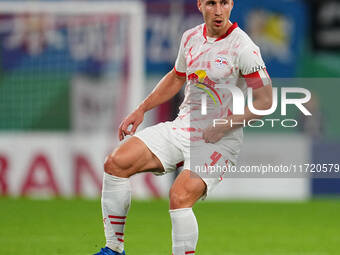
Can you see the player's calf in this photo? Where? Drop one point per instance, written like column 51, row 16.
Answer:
column 186, row 190
column 116, row 165
column 180, row 199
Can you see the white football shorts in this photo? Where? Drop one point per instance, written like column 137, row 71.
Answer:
column 172, row 146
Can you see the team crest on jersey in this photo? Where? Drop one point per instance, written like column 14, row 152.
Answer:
column 221, row 62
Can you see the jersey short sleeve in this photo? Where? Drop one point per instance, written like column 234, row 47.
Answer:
column 251, row 60
column 252, row 67
column 180, row 64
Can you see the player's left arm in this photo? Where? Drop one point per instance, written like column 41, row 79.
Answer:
column 262, row 100
column 254, row 73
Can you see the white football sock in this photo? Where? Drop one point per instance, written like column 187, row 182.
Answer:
column 184, row 231
column 116, row 200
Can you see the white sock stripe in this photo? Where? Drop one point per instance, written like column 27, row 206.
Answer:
column 185, row 237
column 113, row 178
column 180, row 210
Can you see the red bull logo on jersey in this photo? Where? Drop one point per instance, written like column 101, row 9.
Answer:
column 203, row 83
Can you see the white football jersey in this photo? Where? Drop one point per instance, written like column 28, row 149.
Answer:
column 209, row 64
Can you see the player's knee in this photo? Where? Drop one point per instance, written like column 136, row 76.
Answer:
column 179, row 199
column 115, row 165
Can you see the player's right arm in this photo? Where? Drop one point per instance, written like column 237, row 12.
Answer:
column 167, row 88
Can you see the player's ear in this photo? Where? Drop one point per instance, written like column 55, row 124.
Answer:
column 199, row 5
column 232, row 4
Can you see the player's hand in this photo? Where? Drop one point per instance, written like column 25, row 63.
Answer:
column 213, row 134
column 135, row 118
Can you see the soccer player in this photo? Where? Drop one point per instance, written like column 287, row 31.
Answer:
column 212, row 55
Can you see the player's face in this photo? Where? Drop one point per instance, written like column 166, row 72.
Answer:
column 216, row 14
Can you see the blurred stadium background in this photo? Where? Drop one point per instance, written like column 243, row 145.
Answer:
column 70, row 71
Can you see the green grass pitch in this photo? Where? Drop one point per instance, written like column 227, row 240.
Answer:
column 38, row 227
